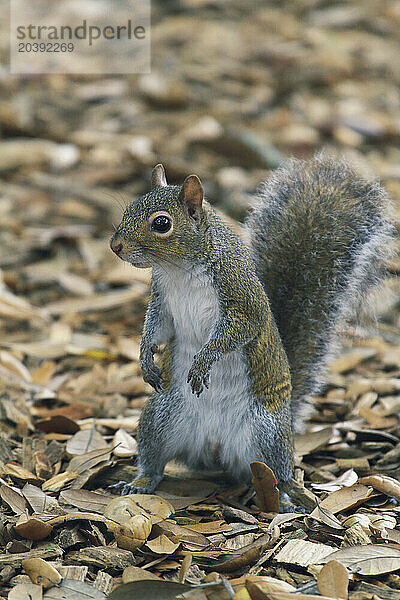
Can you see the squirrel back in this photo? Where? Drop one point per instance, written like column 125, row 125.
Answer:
column 319, row 235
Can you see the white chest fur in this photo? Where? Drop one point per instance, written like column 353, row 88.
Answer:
column 216, row 419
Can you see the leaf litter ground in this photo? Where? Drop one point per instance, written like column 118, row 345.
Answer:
column 71, row 391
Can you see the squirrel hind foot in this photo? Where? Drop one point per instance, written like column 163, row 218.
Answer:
column 140, row 485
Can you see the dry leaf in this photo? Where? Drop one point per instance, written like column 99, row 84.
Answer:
column 41, row 572
column 383, row 483
column 265, row 485
column 85, row 441
column 352, row 359
column 37, row 499
column 149, row 590
column 347, row 479
column 86, row 500
column 19, row 473
column 162, row 545
column 9, row 361
column 121, row 509
column 344, row 498
column 14, row 499
column 312, row 441
column 26, row 591
column 184, row 568
column 56, row 483
column 134, row 533
column 44, row 373
column 133, row 573
column 209, row 528
column 32, row 528
column 303, row 553
column 368, row 560
column 265, row 583
column 124, row 444
column 333, row 580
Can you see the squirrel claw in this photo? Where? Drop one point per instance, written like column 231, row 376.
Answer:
column 141, row 485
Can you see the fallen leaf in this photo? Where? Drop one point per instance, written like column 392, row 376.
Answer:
column 133, row 573
column 368, row 560
column 265, row 485
column 209, row 527
column 56, row 483
column 71, row 589
column 312, row 441
column 346, row 497
column 41, row 572
column 26, row 591
column 149, row 590
column 86, row 500
column 303, row 553
column 134, row 533
column 162, row 545
column 121, row 509
column 17, row 472
column 58, row 424
column 38, row 500
column 32, row 528
column 333, row 580
column 124, row 444
column 184, row 568
column 347, row 479
column 14, row 499
column 85, row 441
column 383, row 483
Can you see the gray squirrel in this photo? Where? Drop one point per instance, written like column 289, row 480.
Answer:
column 246, row 329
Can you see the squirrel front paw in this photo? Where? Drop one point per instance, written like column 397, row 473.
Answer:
column 150, row 371
column 199, row 375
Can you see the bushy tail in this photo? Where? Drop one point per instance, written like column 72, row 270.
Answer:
column 319, row 235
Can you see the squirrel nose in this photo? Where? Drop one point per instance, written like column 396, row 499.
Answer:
column 116, row 244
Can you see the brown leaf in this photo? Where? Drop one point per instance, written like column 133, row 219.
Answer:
column 209, row 527
column 58, row 424
column 14, row 499
column 162, row 545
column 26, row 591
column 41, row 572
column 134, row 533
column 56, row 483
column 312, row 441
column 265, row 485
column 124, row 444
column 86, row 500
column 184, row 568
column 347, row 497
column 383, row 483
column 85, row 441
column 137, row 574
column 368, row 560
column 303, row 553
column 32, row 528
column 121, row 509
column 37, row 499
column 333, row 580
column 20, row 474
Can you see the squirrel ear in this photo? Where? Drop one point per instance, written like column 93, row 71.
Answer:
column 158, row 178
column 191, row 195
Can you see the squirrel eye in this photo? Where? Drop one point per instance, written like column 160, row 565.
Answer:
column 161, row 224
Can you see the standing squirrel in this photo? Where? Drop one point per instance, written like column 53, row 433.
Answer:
column 247, row 330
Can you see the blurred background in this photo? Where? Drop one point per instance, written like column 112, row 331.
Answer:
column 234, row 88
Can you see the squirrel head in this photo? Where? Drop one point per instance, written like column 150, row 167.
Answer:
column 164, row 225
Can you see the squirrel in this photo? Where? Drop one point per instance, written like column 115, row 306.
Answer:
column 247, row 329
